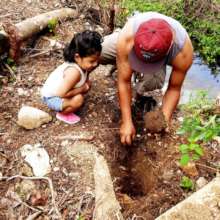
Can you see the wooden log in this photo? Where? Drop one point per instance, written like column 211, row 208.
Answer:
column 14, row 35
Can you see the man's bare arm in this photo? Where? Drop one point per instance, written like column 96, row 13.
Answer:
column 124, row 45
column 181, row 64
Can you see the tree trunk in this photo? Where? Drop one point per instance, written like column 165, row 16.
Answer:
column 13, row 35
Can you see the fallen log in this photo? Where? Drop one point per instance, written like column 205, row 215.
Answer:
column 13, row 35
column 107, row 207
column 86, row 156
column 203, row 204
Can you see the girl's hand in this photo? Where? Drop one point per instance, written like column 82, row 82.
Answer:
column 86, row 86
column 89, row 83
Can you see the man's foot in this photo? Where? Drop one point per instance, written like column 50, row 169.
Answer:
column 69, row 118
column 145, row 103
column 142, row 105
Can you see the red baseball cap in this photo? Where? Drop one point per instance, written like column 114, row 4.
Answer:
column 152, row 42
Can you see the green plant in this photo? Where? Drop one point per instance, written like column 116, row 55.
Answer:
column 186, row 183
column 130, row 6
column 52, row 25
column 190, row 151
column 198, row 103
column 80, row 217
column 199, row 128
column 200, row 20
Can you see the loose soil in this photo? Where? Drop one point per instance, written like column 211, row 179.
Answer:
column 146, row 175
column 155, row 121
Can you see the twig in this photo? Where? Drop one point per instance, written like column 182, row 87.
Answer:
column 10, row 70
column 33, row 216
column 65, row 196
column 3, row 155
column 42, row 53
column 38, row 178
column 136, row 217
column 81, row 202
column 76, row 138
column 208, row 167
column 28, row 206
column 6, row 15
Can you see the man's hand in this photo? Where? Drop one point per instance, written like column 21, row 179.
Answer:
column 127, row 133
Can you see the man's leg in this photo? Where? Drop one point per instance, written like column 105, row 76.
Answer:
column 150, row 82
column 146, row 83
column 108, row 55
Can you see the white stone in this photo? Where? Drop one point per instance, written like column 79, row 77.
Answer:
column 74, row 174
column 55, row 169
column 217, row 138
column 200, row 183
column 100, row 29
column 64, row 143
column 37, row 157
column 22, row 92
column 180, row 119
column 30, row 118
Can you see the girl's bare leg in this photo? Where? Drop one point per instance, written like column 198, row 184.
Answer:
column 72, row 104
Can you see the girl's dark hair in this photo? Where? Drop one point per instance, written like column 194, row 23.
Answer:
column 85, row 44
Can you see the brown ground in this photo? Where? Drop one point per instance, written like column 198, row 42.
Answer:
column 146, row 175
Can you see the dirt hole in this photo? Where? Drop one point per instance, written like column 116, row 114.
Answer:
column 137, row 176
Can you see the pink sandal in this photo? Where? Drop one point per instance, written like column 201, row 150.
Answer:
column 69, row 118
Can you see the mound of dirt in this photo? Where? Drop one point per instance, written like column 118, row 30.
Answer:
column 155, row 121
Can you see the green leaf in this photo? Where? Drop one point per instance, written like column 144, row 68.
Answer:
column 186, row 183
column 199, row 150
column 181, row 131
column 14, row 68
column 192, row 146
column 195, row 157
column 184, row 159
column 10, row 61
column 184, row 148
column 52, row 24
column 80, row 218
